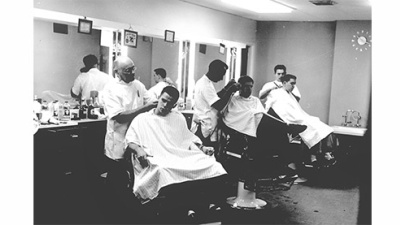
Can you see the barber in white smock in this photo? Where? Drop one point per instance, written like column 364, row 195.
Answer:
column 208, row 103
column 90, row 79
column 124, row 99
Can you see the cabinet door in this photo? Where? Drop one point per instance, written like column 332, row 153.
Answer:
column 93, row 146
column 58, row 174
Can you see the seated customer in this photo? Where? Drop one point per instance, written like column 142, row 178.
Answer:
column 265, row 135
column 285, row 105
column 166, row 152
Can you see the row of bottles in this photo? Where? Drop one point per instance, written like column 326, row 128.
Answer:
column 86, row 109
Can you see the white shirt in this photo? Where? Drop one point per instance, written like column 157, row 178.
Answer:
column 118, row 97
column 204, row 96
column 276, row 83
column 93, row 80
column 155, row 91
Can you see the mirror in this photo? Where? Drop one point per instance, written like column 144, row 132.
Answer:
column 58, row 56
column 205, row 54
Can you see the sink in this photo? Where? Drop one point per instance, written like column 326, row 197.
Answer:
column 355, row 131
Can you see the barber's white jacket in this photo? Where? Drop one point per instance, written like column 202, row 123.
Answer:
column 204, row 96
column 93, row 80
column 118, row 97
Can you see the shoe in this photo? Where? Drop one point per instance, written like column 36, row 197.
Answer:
column 215, row 213
column 191, row 214
column 213, row 207
column 294, row 140
column 300, row 180
column 295, row 129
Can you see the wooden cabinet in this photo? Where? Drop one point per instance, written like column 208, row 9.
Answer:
column 65, row 159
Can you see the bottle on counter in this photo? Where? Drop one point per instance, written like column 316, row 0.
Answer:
column 60, row 111
column 66, row 111
column 46, row 112
column 74, row 112
column 83, row 109
column 56, row 105
column 91, row 111
column 37, row 107
column 96, row 105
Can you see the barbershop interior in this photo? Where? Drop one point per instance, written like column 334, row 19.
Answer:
column 325, row 48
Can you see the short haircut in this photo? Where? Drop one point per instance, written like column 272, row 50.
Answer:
column 217, row 65
column 171, row 91
column 161, row 72
column 280, row 67
column 287, row 77
column 90, row 60
column 244, row 79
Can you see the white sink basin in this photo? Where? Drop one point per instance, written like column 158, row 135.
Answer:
column 355, row 131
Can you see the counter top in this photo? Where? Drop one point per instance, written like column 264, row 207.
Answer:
column 354, row 131
column 70, row 123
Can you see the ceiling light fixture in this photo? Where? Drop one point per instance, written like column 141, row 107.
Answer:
column 261, row 6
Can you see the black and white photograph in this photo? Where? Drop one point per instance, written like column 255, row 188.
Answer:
column 205, row 112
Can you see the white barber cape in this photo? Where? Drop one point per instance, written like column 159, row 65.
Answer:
column 244, row 114
column 167, row 139
column 290, row 111
column 277, row 83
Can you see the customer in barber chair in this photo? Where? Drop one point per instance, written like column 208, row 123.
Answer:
column 169, row 159
column 318, row 136
column 265, row 135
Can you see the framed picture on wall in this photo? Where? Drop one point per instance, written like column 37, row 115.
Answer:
column 222, row 49
column 85, row 26
column 169, row 36
column 130, row 38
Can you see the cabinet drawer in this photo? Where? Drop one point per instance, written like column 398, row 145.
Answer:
column 58, row 151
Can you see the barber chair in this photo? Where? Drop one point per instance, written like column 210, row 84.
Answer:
column 256, row 171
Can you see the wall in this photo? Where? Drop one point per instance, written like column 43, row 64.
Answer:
column 141, row 56
column 306, row 49
column 159, row 15
column 351, row 78
column 59, row 56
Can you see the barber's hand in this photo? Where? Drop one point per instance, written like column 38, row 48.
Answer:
column 152, row 104
column 234, row 87
column 230, row 83
column 208, row 150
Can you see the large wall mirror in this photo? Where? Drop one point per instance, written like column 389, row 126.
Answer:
column 59, row 49
column 58, row 56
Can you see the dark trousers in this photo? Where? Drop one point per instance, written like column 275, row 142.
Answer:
column 196, row 194
column 272, row 136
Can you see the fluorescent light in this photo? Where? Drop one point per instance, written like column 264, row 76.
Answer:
column 260, row 6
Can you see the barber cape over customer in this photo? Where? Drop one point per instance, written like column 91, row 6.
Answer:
column 166, row 151
column 90, row 79
column 124, row 99
column 208, row 103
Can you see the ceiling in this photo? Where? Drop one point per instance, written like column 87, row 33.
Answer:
column 304, row 10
